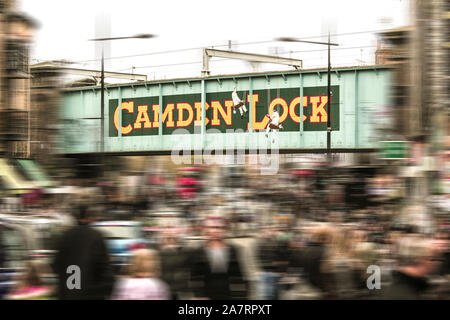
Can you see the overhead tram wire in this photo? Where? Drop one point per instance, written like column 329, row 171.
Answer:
column 224, row 59
column 219, row 45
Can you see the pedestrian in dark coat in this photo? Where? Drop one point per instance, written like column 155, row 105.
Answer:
column 216, row 271
column 174, row 258
column 83, row 247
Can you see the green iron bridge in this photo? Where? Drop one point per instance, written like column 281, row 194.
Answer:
column 157, row 117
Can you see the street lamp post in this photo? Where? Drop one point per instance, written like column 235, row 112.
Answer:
column 329, row 44
column 329, row 103
column 102, row 100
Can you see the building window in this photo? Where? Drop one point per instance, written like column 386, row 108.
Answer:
column 17, row 58
column 17, row 125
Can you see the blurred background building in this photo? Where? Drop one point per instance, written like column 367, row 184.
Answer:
column 44, row 124
column 419, row 56
column 16, row 30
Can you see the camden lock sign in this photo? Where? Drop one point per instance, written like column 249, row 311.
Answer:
column 140, row 116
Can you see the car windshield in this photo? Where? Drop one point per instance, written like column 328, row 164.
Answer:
column 118, row 231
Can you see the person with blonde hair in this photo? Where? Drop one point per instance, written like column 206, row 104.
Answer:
column 142, row 282
column 311, row 258
column 339, row 264
column 31, row 284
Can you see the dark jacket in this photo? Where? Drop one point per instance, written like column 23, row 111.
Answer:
column 173, row 267
column 445, row 266
column 310, row 259
column 273, row 255
column 217, row 286
column 267, row 254
column 85, row 247
column 2, row 250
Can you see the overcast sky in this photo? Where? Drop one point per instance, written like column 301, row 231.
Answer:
column 67, row 25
